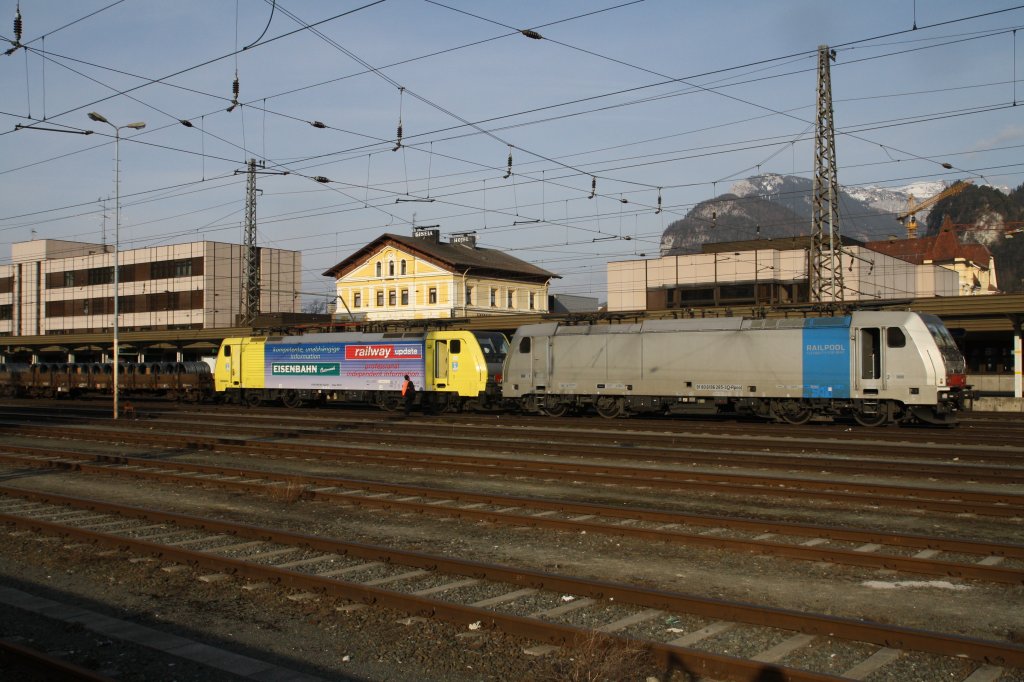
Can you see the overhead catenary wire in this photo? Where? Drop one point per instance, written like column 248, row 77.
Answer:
column 368, row 183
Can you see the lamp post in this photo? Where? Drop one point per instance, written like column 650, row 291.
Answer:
column 117, row 231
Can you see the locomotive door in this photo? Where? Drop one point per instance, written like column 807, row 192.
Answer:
column 870, row 361
column 235, row 364
column 441, row 364
column 540, row 356
column 234, row 357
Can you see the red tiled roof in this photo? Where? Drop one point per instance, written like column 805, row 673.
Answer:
column 942, row 248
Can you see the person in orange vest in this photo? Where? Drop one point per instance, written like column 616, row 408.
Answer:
column 408, row 393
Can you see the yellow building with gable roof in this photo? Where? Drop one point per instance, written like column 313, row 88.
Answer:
column 395, row 277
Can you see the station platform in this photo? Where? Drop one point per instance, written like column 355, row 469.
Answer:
column 998, row 404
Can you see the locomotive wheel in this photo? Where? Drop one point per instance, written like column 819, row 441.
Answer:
column 793, row 411
column 869, row 418
column 609, row 406
column 390, row 403
column 291, row 399
column 442, row 402
column 556, row 410
column 253, row 399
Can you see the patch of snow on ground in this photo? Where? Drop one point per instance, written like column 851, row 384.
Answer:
column 900, row 584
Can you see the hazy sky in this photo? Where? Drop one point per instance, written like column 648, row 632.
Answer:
column 682, row 96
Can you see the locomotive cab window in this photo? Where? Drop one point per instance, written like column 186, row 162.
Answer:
column 895, row 338
column 524, row 344
column 455, row 346
column 227, row 351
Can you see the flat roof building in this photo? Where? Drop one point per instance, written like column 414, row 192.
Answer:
column 767, row 272
column 65, row 287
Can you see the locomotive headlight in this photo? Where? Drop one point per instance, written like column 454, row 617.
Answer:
column 498, row 378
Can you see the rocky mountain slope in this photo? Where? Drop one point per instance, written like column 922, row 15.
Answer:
column 771, row 205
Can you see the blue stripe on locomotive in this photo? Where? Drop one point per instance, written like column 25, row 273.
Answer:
column 826, row 357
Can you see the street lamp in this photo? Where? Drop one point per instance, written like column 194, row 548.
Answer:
column 117, row 229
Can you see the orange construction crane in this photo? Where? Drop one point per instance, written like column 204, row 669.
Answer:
column 913, row 206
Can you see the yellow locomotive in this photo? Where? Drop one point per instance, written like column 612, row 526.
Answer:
column 451, row 369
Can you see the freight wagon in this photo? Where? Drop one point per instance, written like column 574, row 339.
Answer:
column 875, row 367
column 188, row 381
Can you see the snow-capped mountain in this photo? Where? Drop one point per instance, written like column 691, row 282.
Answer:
column 773, row 205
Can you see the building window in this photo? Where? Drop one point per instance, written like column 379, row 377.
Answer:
column 85, row 307
column 380, row 298
column 403, row 267
column 7, row 312
column 432, row 295
column 170, row 268
column 183, row 268
column 69, row 278
column 510, row 297
column 532, row 300
column 494, row 298
column 469, row 295
column 357, row 300
column 391, row 268
column 100, row 275
column 405, row 297
column 392, row 297
column 378, row 269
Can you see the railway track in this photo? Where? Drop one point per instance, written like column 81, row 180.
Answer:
column 1001, row 468
column 1001, row 562
column 651, row 438
column 824, row 488
column 986, row 429
column 683, row 632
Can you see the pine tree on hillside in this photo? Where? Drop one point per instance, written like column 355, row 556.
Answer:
column 985, row 208
column 974, row 205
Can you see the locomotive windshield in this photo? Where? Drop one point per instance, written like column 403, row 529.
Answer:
column 947, row 346
column 494, row 345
